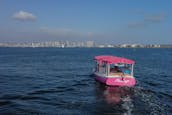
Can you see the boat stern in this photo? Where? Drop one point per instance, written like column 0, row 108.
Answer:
column 121, row 81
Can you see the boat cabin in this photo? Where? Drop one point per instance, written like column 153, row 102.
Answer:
column 112, row 66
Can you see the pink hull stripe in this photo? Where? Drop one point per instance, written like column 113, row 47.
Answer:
column 117, row 81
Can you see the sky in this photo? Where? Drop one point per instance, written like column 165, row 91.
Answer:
column 102, row 21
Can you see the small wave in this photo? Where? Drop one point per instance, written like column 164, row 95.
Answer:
column 53, row 90
column 58, row 102
column 44, row 91
column 151, row 83
column 167, row 95
column 80, row 84
column 64, row 104
column 2, row 103
column 61, row 87
column 70, row 89
column 150, row 101
column 140, row 90
column 86, row 80
column 82, row 75
column 11, row 97
column 11, row 76
column 21, row 97
column 163, row 75
column 33, row 98
column 127, row 105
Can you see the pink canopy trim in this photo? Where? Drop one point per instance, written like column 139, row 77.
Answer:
column 113, row 59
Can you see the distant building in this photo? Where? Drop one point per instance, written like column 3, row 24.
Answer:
column 101, row 46
column 124, row 45
column 136, row 46
column 64, row 44
column 110, row 46
column 166, row 46
column 90, row 44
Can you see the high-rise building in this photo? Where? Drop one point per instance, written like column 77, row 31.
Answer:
column 90, row 43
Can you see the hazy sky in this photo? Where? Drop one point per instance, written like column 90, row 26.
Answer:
column 103, row 21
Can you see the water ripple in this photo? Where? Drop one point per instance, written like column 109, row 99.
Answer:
column 58, row 81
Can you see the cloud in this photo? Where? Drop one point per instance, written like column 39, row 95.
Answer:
column 19, row 34
column 148, row 20
column 137, row 25
column 56, row 31
column 24, row 16
column 72, row 34
column 67, row 33
column 155, row 18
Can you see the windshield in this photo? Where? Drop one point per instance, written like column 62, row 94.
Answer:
column 123, row 68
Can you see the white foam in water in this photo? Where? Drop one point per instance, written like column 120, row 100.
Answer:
column 151, row 102
column 127, row 105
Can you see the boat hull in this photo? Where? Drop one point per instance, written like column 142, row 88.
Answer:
column 116, row 81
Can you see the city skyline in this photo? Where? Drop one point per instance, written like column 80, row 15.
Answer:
column 111, row 22
column 80, row 44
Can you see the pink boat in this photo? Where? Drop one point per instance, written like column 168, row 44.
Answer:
column 114, row 71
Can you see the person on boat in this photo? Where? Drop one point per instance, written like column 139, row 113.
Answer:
column 127, row 70
column 121, row 73
column 116, row 69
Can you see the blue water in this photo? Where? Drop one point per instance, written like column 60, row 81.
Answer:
column 59, row 81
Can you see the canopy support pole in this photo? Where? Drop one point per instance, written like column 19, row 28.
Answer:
column 107, row 69
column 132, row 67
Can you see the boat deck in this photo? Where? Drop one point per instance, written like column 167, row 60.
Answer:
column 119, row 74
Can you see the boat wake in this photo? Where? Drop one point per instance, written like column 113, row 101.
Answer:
column 147, row 102
column 129, row 100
